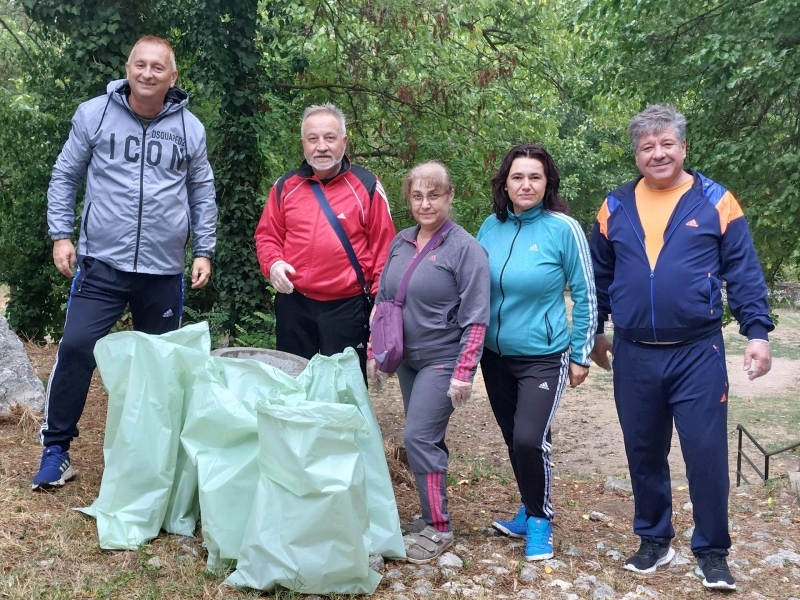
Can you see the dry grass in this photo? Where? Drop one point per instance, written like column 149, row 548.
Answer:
column 48, row 550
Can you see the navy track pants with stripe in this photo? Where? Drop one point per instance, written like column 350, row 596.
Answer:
column 97, row 300
column 687, row 383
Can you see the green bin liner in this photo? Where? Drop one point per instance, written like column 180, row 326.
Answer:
column 309, row 526
column 146, row 377
column 221, row 438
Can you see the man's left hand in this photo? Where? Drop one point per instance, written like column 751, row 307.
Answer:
column 201, row 272
column 577, row 374
column 757, row 358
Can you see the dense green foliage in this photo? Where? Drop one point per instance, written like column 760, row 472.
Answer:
column 419, row 80
column 733, row 67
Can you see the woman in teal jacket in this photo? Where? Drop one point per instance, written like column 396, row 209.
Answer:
column 531, row 351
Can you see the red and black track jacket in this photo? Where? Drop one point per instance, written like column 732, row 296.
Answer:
column 706, row 242
column 293, row 228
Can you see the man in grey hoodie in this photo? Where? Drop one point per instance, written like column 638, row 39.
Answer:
column 149, row 186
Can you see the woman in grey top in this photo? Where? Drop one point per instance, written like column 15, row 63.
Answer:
column 445, row 316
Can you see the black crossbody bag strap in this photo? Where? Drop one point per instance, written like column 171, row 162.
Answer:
column 337, row 228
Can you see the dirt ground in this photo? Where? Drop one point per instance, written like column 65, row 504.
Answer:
column 587, row 439
column 47, row 550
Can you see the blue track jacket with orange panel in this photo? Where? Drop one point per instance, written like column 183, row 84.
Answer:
column 706, row 242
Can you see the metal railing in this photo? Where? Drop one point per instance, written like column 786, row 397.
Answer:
column 766, row 454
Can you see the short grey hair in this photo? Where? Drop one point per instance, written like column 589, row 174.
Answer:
column 152, row 39
column 326, row 108
column 654, row 119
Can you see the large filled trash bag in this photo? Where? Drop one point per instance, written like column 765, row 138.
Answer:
column 309, row 526
column 146, row 377
column 221, row 438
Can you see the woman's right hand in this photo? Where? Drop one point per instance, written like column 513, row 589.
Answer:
column 374, row 375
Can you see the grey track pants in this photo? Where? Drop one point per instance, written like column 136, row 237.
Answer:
column 424, row 385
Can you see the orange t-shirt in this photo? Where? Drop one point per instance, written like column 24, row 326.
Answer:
column 655, row 207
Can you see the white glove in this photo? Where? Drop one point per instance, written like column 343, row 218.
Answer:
column 374, row 375
column 459, row 392
column 279, row 276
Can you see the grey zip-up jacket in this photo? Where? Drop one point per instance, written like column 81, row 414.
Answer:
column 147, row 188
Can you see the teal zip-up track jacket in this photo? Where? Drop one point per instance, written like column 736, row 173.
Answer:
column 531, row 258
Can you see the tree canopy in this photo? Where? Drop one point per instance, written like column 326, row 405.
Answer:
column 458, row 82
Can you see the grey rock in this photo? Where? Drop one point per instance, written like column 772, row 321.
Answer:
column 601, row 545
column 763, row 535
column 46, row 564
column 448, row 573
column 485, row 580
column 781, row 558
column 561, row 584
column 688, row 506
column 688, row 533
column 796, row 573
column 615, row 555
column 585, row 582
column 424, row 572
column 618, row 486
column 554, row 563
column 398, row 587
column 604, row 591
column 528, row 575
column 448, row 559
column 376, row 563
column 794, row 483
column 499, row 570
column 572, row 597
column 573, row 551
column 646, row 591
column 423, row 587
column 155, row 562
column 598, row 516
column 19, row 384
column 680, row 559
column 527, row 595
column 394, row 574
column 401, row 597
column 461, row 548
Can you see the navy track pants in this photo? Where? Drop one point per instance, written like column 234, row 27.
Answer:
column 687, row 383
column 97, row 300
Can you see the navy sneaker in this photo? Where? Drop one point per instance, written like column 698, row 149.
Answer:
column 650, row 556
column 715, row 572
column 55, row 469
column 539, row 545
column 516, row 528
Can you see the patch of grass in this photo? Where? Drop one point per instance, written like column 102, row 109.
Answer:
column 475, row 469
column 773, row 421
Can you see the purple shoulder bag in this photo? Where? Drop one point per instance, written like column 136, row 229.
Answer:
column 387, row 323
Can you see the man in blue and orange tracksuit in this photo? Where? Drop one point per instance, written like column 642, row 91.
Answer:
column 662, row 246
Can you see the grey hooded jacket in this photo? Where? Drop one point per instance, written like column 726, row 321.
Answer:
column 147, row 188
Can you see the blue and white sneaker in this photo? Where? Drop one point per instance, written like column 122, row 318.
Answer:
column 515, row 528
column 539, row 545
column 55, row 469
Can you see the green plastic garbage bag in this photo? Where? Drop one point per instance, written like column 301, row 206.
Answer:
column 221, row 438
column 323, row 373
column 309, row 524
column 145, row 376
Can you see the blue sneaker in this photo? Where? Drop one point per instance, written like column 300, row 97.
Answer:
column 516, row 528
column 539, row 545
column 55, row 469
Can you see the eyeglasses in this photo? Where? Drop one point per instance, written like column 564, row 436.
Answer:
column 433, row 197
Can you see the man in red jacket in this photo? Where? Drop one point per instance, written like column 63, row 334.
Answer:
column 322, row 305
